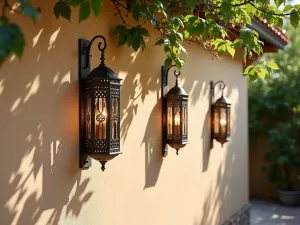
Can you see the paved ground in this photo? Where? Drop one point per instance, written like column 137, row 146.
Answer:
column 272, row 213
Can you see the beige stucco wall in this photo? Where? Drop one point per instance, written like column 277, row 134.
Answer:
column 40, row 180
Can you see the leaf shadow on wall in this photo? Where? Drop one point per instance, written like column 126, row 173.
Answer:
column 226, row 195
column 138, row 84
column 40, row 179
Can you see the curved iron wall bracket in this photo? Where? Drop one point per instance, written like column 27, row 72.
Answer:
column 84, row 70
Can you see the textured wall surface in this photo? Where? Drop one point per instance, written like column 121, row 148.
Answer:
column 40, row 180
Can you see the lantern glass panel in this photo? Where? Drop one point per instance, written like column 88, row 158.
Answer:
column 223, row 121
column 184, row 121
column 228, row 121
column 169, row 119
column 115, row 118
column 216, row 121
column 88, row 126
column 100, row 118
column 177, row 121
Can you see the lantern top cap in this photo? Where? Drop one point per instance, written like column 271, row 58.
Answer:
column 102, row 71
column 223, row 100
column 176, row 91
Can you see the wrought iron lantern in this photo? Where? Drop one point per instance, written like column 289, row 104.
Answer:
column 220, row 115
column 99, row 93
column 175, row 113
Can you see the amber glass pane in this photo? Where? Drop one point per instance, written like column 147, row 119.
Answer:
column 115, row 119
column 216, row 121
column 169, row 120
column 177, row 120
column 100, row 118
column 184, row 121
column 88, row 125
column 223, row 122
column 228, row 122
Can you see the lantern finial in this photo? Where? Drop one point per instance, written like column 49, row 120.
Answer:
column 103, row 165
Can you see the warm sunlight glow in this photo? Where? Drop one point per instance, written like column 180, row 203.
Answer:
column 12, row 58
column 36, row 38
column 66, row 78
column 33, row 88
column 53, row 39
column 55, row 78
column 1, row 86
column 38, row 58
column 15, row 105
column 122, row 74
column 134, row 56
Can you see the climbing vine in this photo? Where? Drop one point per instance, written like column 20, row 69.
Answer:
column 220, row 26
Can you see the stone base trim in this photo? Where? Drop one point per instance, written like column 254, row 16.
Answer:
column 242, row 217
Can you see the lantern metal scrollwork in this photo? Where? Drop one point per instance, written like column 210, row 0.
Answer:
column 99, row 96
column 220, row 115
column 174, row 114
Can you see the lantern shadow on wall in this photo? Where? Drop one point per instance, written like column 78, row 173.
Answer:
column 99, row 105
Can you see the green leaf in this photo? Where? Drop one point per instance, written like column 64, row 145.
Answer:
column 28, row 10
column 272, row 65
column 18, row 40
column 191, row 3
column 229, row 48
column 143, row 31
column 84, row 10
column 261, row 73
column 6, row 42
column 278, row 2
column 168, row 62
column 62, row 9
column 4, row 19
column 294, row 18
column 11, row 40
column 238, row 43
column 119, row 29
column 245, row 35
column 287, row 8
column 137, row 11
column 160, row 42
column 96, row 6
column 122, row 39
column 136, row 43
column 245, row 55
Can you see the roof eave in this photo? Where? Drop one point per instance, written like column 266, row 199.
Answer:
column 267, row 35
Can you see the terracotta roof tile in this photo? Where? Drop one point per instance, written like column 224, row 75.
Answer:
column 276, row 30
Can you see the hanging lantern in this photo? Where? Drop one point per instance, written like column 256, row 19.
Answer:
column 175, row 114
column 100, row 108
column 220, row 116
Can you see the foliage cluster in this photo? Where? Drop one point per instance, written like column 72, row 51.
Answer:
column 274, row 115
column 220, row 26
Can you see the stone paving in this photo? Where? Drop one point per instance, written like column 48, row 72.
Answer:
column 272, row 213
